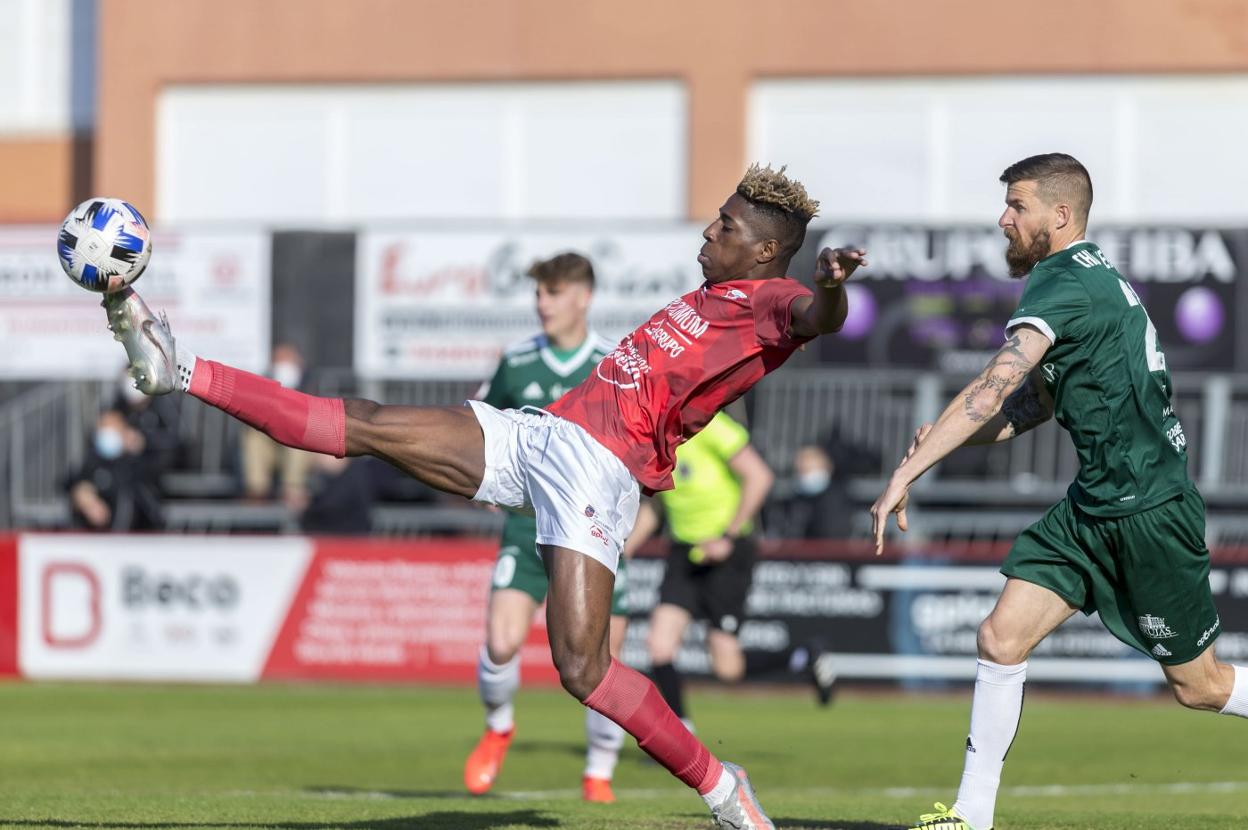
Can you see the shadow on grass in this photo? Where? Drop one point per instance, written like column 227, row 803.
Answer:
column 830, row 824
column 448, row 820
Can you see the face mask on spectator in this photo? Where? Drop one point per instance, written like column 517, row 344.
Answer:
column 287, row 374
column 109, row 443
column 813, row 481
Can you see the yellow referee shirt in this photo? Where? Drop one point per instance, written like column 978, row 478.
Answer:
column 707, row 493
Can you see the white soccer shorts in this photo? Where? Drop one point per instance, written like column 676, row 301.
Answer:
column 584, row 497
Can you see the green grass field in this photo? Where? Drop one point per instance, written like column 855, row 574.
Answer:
column 389, row 758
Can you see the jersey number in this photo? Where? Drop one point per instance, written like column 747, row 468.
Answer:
column 1152, row 352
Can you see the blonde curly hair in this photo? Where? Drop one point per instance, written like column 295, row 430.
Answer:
column 771, row 188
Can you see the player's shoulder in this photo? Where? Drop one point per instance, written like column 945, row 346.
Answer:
column 524, row 351
column 1065, row 271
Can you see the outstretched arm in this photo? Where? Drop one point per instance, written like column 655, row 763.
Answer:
column 976, row 413
column 825, row 311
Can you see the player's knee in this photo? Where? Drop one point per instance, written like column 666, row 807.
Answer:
column 579, row 673
column 1201, row 696
column 998, row 646
column 501, row 649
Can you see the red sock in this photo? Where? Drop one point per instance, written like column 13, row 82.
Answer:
column 628, row 698
column 288, row 416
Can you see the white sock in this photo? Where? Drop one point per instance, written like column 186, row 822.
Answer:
column 995, row 712
column 186, row 366
column 1238, row 703
column 497, row 686
column 605, row 738
column 721, row 789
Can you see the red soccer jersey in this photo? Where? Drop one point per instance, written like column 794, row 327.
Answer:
column 667, row 379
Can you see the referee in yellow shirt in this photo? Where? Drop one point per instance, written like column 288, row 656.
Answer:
column 721, row 484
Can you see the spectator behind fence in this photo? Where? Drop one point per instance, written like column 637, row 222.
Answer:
column 156, row 419
column 263, row 458
column 819, row 506
column 343, row 492
column 114, row 489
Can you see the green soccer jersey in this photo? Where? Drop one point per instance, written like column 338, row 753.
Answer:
column 1107, row 375
column 531, row 373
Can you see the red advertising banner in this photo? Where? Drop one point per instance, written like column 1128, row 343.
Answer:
column 8, row 606
column 401, row 610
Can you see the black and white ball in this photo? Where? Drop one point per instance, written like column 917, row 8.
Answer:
column 104, row 244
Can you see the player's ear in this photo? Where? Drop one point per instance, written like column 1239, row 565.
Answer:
column 768, row 250
column 1063, row 214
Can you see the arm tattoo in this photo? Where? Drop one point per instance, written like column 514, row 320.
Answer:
column 1024, row 409
column 1009, row 367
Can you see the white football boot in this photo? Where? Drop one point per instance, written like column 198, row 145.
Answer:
column 740, row 810
column 149, row 342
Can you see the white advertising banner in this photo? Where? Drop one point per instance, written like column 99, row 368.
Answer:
column 444, row 304
column 153, row 607
column 214, row 285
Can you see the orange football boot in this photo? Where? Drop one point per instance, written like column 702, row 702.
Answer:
column 486, row 760
column 597, row 790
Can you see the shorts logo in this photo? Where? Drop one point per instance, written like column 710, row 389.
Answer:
column 1208, row 632
column 1161, row 651
column 598, row 534
column 590, row 511
column 1156, row 628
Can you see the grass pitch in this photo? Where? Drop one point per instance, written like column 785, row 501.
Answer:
column 390, row 758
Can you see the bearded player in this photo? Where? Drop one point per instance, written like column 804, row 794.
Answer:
column 1128, row 541
column 534, row 373
column 579, row 466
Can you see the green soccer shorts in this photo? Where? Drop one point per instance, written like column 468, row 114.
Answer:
column 1146, row 574
column 520, row 568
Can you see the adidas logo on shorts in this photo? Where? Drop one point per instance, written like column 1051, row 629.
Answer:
column 1161, row 651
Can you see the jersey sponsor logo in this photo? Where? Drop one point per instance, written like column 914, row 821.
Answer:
column 1208, row 632
column 1128, row 498
column 686, row 318
column 665, row 341
column 1155, row 627
column 624, row 360
column 1161, row 651
column 533, row 391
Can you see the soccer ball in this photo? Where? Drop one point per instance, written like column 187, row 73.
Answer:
column 104, row 244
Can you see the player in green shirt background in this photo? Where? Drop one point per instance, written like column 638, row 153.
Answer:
column 721, row 483
column 1128, row 540
column 535, row 372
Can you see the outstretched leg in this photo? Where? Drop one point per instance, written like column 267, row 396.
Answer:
column 441, row 446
